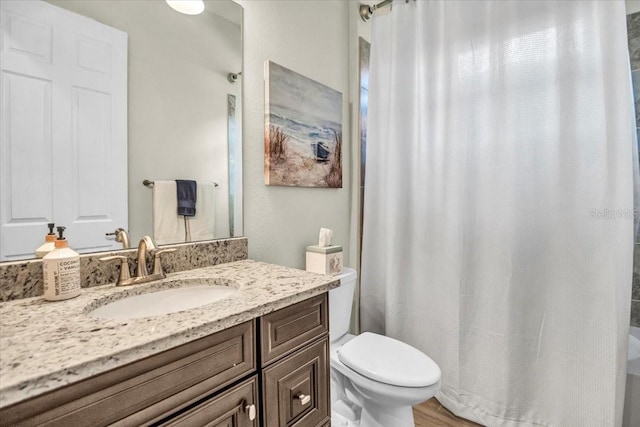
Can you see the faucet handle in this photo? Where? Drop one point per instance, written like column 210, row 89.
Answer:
column 124, row 267
column 157, row 264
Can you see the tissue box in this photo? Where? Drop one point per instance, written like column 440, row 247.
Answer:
column 324, row 260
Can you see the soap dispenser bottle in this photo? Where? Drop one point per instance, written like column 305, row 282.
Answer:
column 49, row 242
column 61, row 270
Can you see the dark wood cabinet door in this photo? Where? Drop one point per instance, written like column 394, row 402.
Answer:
column 288, row 329
column 296, row 389
column 236, row 407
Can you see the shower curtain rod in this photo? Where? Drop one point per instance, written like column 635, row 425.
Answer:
column 366, row 11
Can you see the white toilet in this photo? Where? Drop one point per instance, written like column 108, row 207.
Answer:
column 375, row 380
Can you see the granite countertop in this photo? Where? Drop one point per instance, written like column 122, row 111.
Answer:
column 46, row 345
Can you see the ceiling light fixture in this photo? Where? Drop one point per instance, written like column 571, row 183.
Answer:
column 188, row 7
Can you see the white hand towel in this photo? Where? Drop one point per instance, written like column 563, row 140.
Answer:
column 202, row 225
column 168, row 226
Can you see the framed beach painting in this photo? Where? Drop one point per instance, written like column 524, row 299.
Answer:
column 303, row 131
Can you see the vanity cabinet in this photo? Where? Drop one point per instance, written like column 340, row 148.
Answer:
column 295, row 361
column 146, row 390
column 272, row 371
column 234, row 408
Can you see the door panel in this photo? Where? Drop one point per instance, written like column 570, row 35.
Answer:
column 26, row 189
column 296, row 389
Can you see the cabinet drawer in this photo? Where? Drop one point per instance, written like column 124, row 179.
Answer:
column 230, row 409
column 290, row 328
column 296, row 389
column 143, row 390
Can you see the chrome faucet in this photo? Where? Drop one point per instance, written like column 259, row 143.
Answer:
column 145, row 246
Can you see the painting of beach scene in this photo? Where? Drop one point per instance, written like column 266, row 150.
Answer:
column 303, row 131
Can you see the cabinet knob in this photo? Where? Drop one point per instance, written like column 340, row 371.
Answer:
column 304, row 398
column 251, row 410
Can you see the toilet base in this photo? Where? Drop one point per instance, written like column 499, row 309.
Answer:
column 350, row 410
column 343, row 416
column 344, row 413
column 338, row 420
column 376, row 416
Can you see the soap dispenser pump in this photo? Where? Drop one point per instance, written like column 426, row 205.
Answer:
column 61, row 271
column 49, row 242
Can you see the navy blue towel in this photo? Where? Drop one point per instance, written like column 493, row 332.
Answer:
column 187, row 191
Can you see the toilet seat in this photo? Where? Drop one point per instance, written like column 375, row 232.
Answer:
column 389, row 361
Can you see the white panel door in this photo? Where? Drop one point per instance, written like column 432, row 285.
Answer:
column 63, row 127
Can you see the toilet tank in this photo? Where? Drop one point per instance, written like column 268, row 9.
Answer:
column 340, row 304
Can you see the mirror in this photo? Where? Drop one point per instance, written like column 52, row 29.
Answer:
column 181, row 119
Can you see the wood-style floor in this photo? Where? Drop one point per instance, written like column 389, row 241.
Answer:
column 431, row 414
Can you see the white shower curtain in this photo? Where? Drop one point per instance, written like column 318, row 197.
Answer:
column 498, row 231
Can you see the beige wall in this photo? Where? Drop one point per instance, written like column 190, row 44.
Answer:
column 310, row 37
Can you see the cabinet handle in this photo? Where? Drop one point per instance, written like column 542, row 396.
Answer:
column 251, row 410
column 304, row 398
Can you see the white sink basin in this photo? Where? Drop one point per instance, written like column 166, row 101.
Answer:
column 162, row 302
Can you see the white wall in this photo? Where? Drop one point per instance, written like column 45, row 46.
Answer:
column 310, row 37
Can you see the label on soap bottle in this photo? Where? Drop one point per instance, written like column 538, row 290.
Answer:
column 61, row 278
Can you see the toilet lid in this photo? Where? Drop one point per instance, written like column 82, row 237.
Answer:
column 389, row 361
